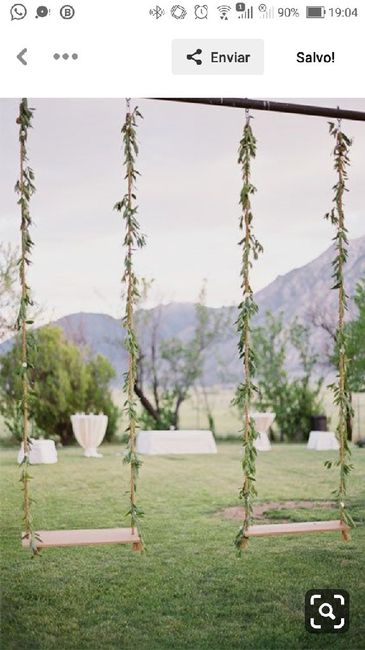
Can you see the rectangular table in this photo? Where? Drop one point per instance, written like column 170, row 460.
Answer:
column 322, row 441
column 176, row 442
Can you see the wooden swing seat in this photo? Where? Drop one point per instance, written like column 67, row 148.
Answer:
column 88, row 537
column 299, row 528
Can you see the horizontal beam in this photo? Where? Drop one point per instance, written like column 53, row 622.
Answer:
column 273, row 106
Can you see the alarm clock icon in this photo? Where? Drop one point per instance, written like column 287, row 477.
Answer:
column 201, row 11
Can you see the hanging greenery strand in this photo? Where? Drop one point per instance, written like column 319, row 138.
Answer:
column 340, row 388
column 251, row 248
column 25, row 188
column 133, row 239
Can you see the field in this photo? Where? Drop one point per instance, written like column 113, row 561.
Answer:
column 189, row 591
column 193, row 414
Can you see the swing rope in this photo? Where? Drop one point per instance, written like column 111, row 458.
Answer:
column 342, row 398
column 25, row 188
column 251, row 248
column 133, row 239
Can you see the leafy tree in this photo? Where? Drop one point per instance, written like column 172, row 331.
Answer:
column 355, row 331
column 294, row 401
column 64, row 382
column 174, row 368
column 168, row 369
column 211, row 328
column 9, row 299
column 269, row 342
column 355, row 338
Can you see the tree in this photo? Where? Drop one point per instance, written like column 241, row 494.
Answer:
column 211, row 328
column 355, row 336
column 168, row 369
column 9, row 299
column 269, row 342
column 304, row 391
column 355, row 331
column 64, row 382
column 294, row 400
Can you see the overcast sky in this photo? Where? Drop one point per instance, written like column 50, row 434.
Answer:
column 187, row 194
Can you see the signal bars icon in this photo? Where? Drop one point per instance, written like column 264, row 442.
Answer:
column 266, row 12
column 157, row 12
column 244, row 11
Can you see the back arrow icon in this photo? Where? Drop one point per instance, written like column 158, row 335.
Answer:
column 21, row 58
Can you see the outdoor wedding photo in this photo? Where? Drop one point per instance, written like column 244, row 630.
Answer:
column 182, row 373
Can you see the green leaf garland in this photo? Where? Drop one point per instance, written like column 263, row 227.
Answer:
column 25, row 189
column 133, row 239
column 251, row 248
column 340, row 388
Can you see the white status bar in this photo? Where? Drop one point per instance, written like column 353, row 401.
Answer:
column 115, row 48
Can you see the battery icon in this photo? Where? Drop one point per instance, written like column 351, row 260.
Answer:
column 316, row 12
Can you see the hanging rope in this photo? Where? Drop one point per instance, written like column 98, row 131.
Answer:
column 133, row 239
column 247, row 309
column 25, row 189
column 340, row 388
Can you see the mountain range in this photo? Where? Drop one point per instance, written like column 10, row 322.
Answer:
column 303, row 293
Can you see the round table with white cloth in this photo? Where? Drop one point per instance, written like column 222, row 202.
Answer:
column 89, row 431
column 40, row 452
column 322, row 441
column 263, row 422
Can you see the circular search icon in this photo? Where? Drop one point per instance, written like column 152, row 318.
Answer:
column 329, row 611
column 67, row 12
column 18, row 12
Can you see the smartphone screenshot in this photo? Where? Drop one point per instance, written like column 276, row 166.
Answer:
column 182, row 325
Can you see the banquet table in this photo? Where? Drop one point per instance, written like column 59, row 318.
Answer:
column 89, row 430
column 263, row 422
column 41, row 452
column 322, row 441
column 176, row 442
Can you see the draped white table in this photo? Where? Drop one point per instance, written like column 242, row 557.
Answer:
column 176, row 442
column 322, row 441
column 89, row 431
column 263, row 422
column 41, row 452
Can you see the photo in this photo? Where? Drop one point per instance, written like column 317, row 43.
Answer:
column 182, row 372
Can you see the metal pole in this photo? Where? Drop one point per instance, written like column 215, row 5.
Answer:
column 266, row 105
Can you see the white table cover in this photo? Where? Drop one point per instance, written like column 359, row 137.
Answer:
column 41, row 452
column 89, row 431
column 263, row 422
column 176, row 442
column 322, row 441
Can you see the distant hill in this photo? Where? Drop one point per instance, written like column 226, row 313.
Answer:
column 303, row 292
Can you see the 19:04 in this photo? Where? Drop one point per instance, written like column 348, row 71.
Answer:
column 348, row 12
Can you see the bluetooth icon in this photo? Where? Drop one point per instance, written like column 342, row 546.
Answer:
column 157, row 12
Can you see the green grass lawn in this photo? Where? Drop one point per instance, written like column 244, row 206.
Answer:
column 190, row 590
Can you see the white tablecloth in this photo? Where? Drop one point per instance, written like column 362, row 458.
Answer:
column 41, row 452
column 322, row 440
column 176, row 442
column 263, row 422
column 89, row 431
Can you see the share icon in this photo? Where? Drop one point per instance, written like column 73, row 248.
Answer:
column 192, row 57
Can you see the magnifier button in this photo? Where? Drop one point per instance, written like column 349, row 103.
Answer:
column 329, row 611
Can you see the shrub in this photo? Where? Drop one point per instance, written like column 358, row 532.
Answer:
column 65, row 381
